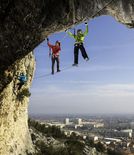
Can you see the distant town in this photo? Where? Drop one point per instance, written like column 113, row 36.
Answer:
column 115, row 132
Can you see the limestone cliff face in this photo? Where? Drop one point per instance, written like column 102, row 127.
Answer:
column 14, row 133
column 23, row 25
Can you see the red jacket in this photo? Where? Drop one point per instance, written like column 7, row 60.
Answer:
column 55, row 49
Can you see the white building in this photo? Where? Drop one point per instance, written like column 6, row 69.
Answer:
column 128, row 132
column 99, row 125
column 79, row 121
column 66, row 121
column 112, row 140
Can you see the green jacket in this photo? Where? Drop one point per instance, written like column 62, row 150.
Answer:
column 79, row 38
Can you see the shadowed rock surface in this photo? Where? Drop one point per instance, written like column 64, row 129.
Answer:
column 24, row 24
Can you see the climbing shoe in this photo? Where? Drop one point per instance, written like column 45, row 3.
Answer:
column 58, row 70
column 76, row 65
column 87, row 59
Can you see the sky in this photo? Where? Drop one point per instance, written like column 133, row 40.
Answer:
column 103, row 85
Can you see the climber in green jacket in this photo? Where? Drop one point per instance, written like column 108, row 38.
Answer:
column 79, row 39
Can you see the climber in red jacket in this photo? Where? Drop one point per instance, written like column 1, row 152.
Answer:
column 55, row 49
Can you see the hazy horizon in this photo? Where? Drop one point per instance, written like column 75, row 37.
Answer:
column 81, row 115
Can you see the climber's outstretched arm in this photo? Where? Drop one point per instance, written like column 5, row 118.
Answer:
column 70, row 34
column 49, row 45
column 86, row 32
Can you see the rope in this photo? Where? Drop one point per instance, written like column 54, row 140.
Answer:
column 49, row 74
column 41, row 76
column 107, row 4
column 64, row 37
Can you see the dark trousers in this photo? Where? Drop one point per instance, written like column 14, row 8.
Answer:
column 55, row 58
column 76, row 52
column 20, row 84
